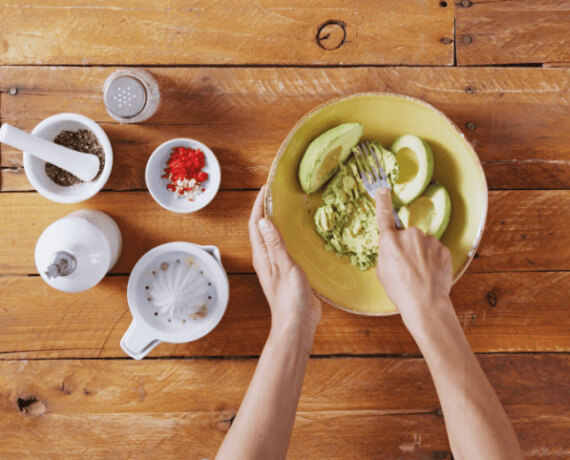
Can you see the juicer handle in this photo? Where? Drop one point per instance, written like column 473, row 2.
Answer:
column 138, row 341
column 214, row 252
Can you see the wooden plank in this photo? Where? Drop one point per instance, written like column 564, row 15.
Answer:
column 526, row 230
column 506, row 312
column 350, row 408
column 513, row 32
column 513, row 115
column 237, row 32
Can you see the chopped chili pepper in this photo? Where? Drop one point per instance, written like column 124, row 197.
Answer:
column 184, row 171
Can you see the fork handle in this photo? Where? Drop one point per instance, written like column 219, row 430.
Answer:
column 399, row 224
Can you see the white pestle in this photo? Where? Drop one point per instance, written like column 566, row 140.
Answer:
column 83, row 165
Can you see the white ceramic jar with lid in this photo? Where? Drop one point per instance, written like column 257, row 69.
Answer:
column 75, row 252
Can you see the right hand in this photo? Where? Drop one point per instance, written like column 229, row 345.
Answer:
column 415, row 269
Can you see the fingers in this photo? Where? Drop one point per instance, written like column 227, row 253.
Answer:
column 257, row 210
column 260, row 256
column 274, row 244
column 384, row 217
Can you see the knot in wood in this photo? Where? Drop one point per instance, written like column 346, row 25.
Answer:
column 31, row 406
column 331, row 34
column 492, row 299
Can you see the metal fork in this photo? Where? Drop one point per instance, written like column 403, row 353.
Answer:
column 373, row 178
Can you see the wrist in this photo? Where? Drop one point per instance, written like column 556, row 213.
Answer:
column 291, row 331
column 429, row 318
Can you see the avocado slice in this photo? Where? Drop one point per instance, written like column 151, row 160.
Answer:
column 324, row 154
column 430, row 212
column 415, row 159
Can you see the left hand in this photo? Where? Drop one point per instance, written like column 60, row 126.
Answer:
column 284, row 283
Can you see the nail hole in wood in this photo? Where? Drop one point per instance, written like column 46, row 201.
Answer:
column 446, row 41
column 467, row 39
column 471, row 126
column 470, row 89
column 465, row 3
column 13, row 91
column 443, row 4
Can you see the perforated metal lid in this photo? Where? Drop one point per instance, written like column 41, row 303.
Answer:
column 125, row 97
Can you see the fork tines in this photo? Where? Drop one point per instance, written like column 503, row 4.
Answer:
column 369, row 174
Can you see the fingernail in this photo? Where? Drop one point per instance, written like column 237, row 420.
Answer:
column 263, row 225
column 382, row 191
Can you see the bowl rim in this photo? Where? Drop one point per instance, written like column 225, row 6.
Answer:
column 215, row 164
column 102, row 138
column 268, row 203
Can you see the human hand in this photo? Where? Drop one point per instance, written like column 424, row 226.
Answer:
column 284, row 283
column 415, row 269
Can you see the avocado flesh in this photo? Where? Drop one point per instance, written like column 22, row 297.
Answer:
column 325, row 153
column 430, row 212
column 346, row 220
column 416, row 168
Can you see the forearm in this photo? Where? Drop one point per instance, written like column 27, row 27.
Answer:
column 263, row 425
column 475, row 419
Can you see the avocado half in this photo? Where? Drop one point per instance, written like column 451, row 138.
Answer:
column 324, row 154
column 430, row 212
column 415, row 158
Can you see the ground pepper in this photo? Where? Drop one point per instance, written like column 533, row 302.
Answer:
column 83, row 141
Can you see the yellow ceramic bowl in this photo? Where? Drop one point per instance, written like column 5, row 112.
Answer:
column 385, row 117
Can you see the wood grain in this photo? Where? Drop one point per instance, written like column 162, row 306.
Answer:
column 525, row 231
column 229, row 32
column 506, row 312
column 349, row 408
column 513, row 32
column 245, row 114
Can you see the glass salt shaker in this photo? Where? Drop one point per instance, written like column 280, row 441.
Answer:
column 131, row 95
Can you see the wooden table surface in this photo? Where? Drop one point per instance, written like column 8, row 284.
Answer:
column 237, row 75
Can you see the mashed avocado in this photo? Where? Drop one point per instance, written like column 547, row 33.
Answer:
column 347, row 218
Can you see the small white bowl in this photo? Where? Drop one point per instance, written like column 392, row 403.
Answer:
column 156, row 184
column 35, row 168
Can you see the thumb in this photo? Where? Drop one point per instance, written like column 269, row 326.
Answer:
column 273, row 242
column 384, row 217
